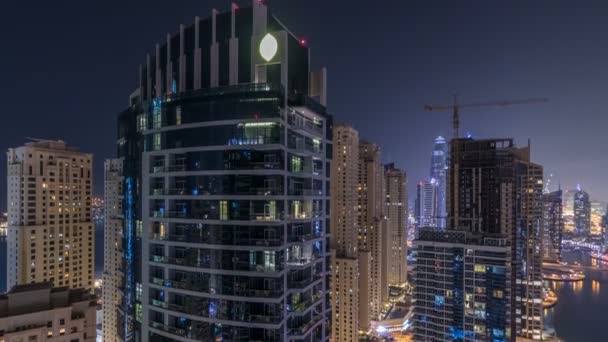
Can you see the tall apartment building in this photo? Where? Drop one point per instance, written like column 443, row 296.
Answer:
column 345, row 289
column 50, row 230
column 494, row 191
column 372, row 225
column 396, row 211
column 39, row 312
column 427, row 209
column 113, row 274
column 553, row 226
column 582, row 212
column 462, row 287
column 358, row 228
column 226, row 149
column 439, row 169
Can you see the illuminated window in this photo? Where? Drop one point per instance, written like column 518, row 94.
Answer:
column 480, row 268
column 142, row 122
column 178, row 115
column 497, row 294
column 156, row 141
column 296, row 164
column 223, row 210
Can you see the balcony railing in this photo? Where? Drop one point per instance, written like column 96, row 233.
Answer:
column 216, row 241
column 197, row 287
column 235, row 266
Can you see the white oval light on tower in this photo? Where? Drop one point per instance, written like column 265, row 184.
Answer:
column 268, row 47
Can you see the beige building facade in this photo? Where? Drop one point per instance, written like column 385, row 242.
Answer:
column 396, row 210
column 50, row 229
column 38, row 312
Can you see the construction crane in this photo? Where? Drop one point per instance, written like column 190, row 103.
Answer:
column 456, row 108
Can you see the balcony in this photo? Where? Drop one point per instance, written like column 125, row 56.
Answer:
column 307, row 327
column 301, row 284
column 198, row 287
column 192, row 308
column 232, row 266
column 211, row 240
column 305, row 305
column 304, row 237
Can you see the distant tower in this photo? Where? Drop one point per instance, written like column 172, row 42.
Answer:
column 582, row 212
column 427, row 203
column 396, row 209
column 553, row 225
column 439, row 166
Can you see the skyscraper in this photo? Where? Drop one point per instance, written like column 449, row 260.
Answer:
column 359, row 277
column 553, row 226
column 226, row 150
column 372, row 224
column 50, row 230
column 494, row 200
column 346, row 259
column 396, row 211
column 112, row 249
column 439, row 168
column 582, row 212
column 462, row 287
column 494, row 189
column 427, row 203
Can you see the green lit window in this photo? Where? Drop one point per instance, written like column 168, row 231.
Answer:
column 142, row 122
column 480, row 268
column 223, row 210
column 178, row 115
column 138, row 228
column 296, row 164
column 139, row 313
column 156, row 141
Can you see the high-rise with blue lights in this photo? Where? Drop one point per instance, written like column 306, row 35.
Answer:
column 481, row 279
column 582, row 212
column 226, row 152
column 426, row 203
column 439, row 168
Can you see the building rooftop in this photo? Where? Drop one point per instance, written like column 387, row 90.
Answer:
column 24, row 299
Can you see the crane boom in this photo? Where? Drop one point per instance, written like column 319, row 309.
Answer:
column 455, row 107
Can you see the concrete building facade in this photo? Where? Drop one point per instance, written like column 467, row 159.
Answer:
column 345, row 285
column 39, row 312
column 50, row 229
column 396, row 211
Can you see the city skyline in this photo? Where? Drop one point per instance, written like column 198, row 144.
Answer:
column 434, row 63
column 265, row 170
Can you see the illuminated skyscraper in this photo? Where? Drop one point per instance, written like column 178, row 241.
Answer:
column 582, row 212
column 426, row 203
column 495, row 214
column 112, row 249
column 346, row 259
column 372, row 224
column 226, row 149
column 50, row 229
column 553, row 226
column 396, row 211
column 439, row 168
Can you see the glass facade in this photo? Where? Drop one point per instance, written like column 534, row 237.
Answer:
column 233, row 232
column 227, row 163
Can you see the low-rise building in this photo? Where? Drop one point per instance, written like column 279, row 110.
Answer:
column 38, row 312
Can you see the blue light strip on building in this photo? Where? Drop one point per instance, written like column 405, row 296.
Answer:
column 129, row 258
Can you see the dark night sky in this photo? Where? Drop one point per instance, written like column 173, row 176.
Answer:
column 67, row 68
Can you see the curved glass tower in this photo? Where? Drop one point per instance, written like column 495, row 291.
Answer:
column 232, row 179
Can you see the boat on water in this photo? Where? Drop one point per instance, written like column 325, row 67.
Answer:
column 599, row 256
